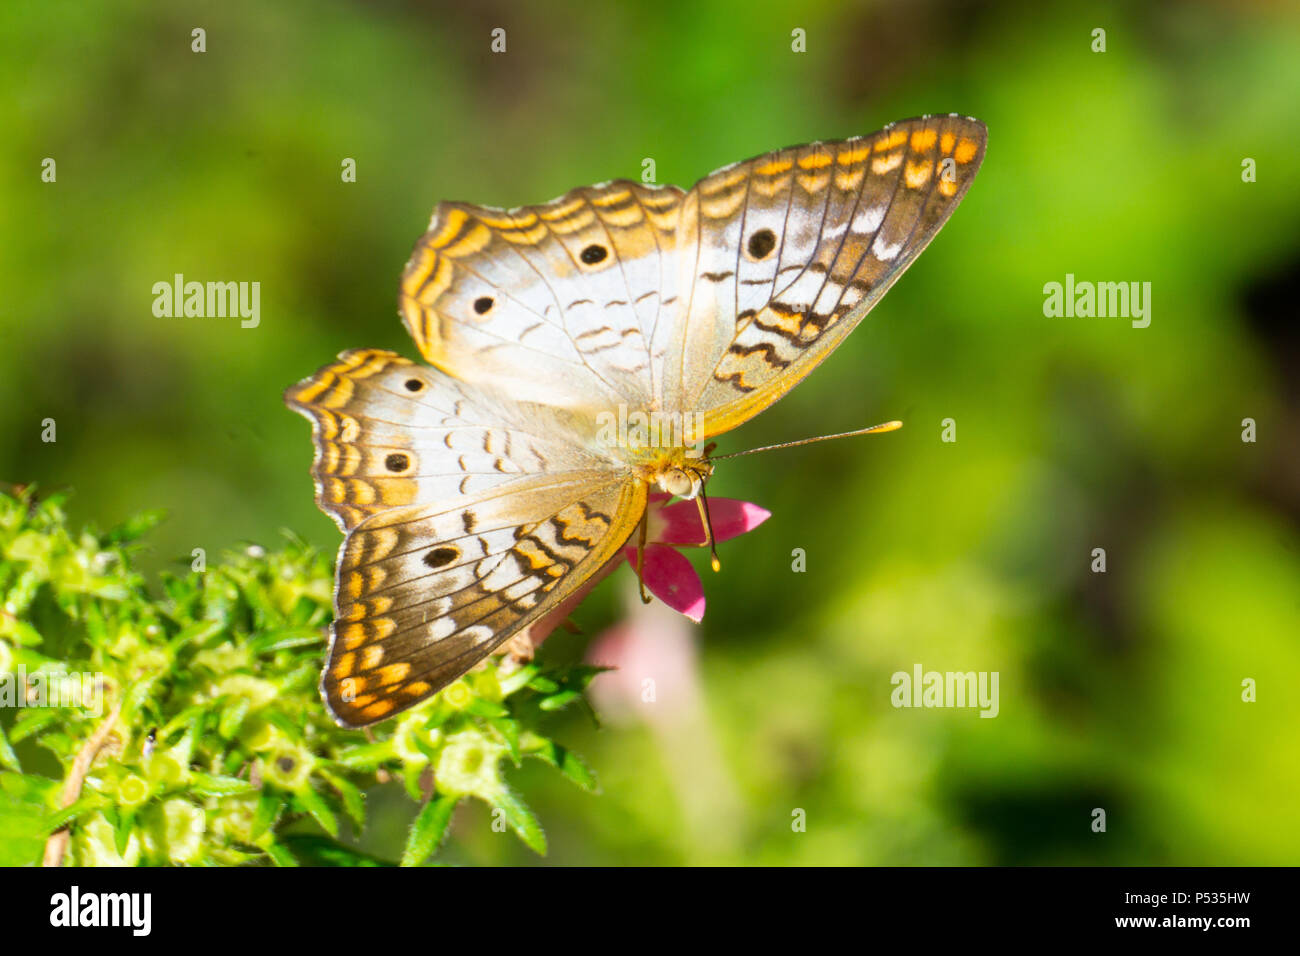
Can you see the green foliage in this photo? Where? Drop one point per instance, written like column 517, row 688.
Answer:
column 216, row 746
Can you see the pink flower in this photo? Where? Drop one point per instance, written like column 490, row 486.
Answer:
column 656, row 683
column 668, row 573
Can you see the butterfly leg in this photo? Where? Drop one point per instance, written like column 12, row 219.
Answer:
column 640, row 554
column 520, row 648
column 702, row 503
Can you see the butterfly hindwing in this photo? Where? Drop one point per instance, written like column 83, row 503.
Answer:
column 423, row 594
column 469, row 516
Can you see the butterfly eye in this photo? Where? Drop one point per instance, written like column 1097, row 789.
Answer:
column 482, row 304
column 676, row 482
column 761, row 243
column 593, row 254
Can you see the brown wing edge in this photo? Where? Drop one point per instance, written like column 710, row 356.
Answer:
column 302, row 396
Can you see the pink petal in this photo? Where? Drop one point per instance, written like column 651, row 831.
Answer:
column 670, row 577
column 680, row 522
column 652, row 642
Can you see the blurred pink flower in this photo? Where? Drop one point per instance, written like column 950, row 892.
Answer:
column 655, row 682
column 668, row 574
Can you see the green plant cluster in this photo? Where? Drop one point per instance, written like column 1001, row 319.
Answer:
column 216, row 748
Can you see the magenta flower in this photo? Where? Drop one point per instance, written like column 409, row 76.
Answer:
column 668, row 573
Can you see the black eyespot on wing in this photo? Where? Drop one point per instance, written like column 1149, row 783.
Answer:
column 397, row 462
column 761, row 243
column 482, row 304
column 594, row 253
column 414, row 385
column 441, row 557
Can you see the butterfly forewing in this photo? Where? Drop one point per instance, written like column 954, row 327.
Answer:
column 570, row 290
column 813, row 237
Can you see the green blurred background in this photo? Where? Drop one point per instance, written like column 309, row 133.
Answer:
column 1119, row 690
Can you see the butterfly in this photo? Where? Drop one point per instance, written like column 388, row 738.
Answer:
column 477, row 493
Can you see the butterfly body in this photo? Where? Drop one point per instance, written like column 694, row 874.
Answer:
column 581, row 351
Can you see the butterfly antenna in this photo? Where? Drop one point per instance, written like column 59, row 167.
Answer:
column 640, row 555
column 702, row 502
column 874, row 429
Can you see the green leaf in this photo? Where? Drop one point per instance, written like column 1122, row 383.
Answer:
column 521, row 820
column 196, row 633
column 214, row 785
column 428, row 830
column 354, row 802
column 313, row 850
column 565, row 761
column 22, row 633
column 557, row 701
column 279, row 854
column 232, row 716
column 315, row 804
column 543, row 685
column 184, row 719
column 508, row 730
column 136, row 526
column 411, row 774
column 31, row 723
column 7, row 756
column 61, row 818
column 22, row 816
column 518, row 679
column 481, row 707
column 268, row 810
column 285, row 639
column 366, row 756
column 29, row 788
column 122, row 827
column 576, row 769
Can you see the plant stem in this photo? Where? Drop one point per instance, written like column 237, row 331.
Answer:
column 57, row 844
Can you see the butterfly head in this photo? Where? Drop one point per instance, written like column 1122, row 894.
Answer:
column 678, row 471
column 684, row 480
column 685, row 477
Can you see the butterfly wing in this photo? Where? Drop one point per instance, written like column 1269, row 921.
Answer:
column 569, row 293
column 468, row 517
column 424, row 593
column 790, row 250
